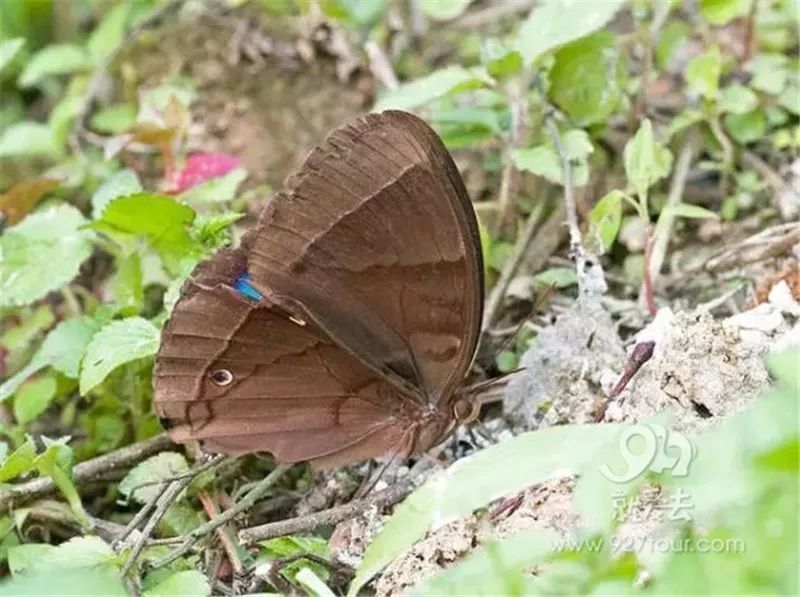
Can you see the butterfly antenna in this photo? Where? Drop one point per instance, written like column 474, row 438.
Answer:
column 540, row 300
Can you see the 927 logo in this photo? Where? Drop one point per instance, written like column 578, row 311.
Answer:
column 658, row 450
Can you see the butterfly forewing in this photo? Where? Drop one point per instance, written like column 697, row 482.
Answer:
column 377, row 241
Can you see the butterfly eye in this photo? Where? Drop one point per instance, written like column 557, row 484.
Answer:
column 222, row 377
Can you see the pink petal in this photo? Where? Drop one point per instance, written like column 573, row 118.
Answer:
column 201, row 167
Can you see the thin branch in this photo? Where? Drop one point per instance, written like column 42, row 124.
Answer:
column 241, row 506
column 335, row 515
column 223, row 532
column 85, row 471
column 512, row 264
column 667, row 218
column 164, row 502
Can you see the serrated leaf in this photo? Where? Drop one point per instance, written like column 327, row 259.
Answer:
column 687, row 210
column 27, row 139
column 216, row 190
column 606, row 218
column 58, row 59
column 737, row 99
column 42, row 253
column 9, row 48
column 702, row 73
column 719, row 12
column 433, row 86
column 584, row 78
column 162, row 220
column 474, row 481
column 190, row 583
column 153, row 470
column 646, row 161
column 117, row 343
column 120, row 184
column 33, row 398
column 559, row 22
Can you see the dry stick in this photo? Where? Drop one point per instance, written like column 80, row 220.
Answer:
column 223, row 532
column 165, row 501
column 511, row 265
column 85, row 471
column 242, row 505
column 335, row 515
column 660, row 238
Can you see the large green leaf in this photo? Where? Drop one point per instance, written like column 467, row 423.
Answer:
column 26, row 138
column 42, row 253
column 162, row 220
column 556, row 22
column 433, row 86
column 585, row 78
column 117, row 343
column 473, row 482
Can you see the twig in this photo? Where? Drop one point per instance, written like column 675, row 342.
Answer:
column 164, row 502
column 641, row 353
column 380, row 66
column 387, row 497
column 223, row 532
column 492, row 14
column 766, row 244
column 667, row 218
column 85, row 471
column 506, row 200
column 512, row 264
column 241, row 506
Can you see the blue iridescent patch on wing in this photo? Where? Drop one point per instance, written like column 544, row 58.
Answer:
column 242, row 284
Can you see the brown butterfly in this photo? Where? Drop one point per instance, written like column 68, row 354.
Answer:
column 344, row 325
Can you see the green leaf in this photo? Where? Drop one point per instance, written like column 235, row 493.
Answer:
column 28, row 555
column 500, row 59
column 646, row 161
column 63, row 349
column 433, row 86
column 80, row 552
column 702, row 73
column 190, row 583
column 606, row 218
column 543, row 161
column 120, row 184
column 56, row 463
column 784, row 367
column 153, row 470
column 61, row 117
column 790, row 98
column 162, row 220
column 108, row 34
column 212, row 230
column 747, row 127
column 720, row 12
column 687, row 210
column 444, row 10
column 560, row 277
column 127, row 286
column 9, row 48
column 26, row 139
column 496, row 568
column 770, row 72
column 114, row 119
column 33, row 398
column 584, row 80
column 117, row 343
column 18, row 462
column 673, row 37
column 42, row 253
column 58, row 59
column 558, row 22
column 282, row 547
column 577, row 144
column 684, row 120
column 216, row 190
column 313, row 583
column 474, row 481
column 737, row 99
column 31, row 324
column 88, row 582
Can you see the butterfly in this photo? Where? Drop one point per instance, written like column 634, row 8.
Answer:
column 344, row 325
